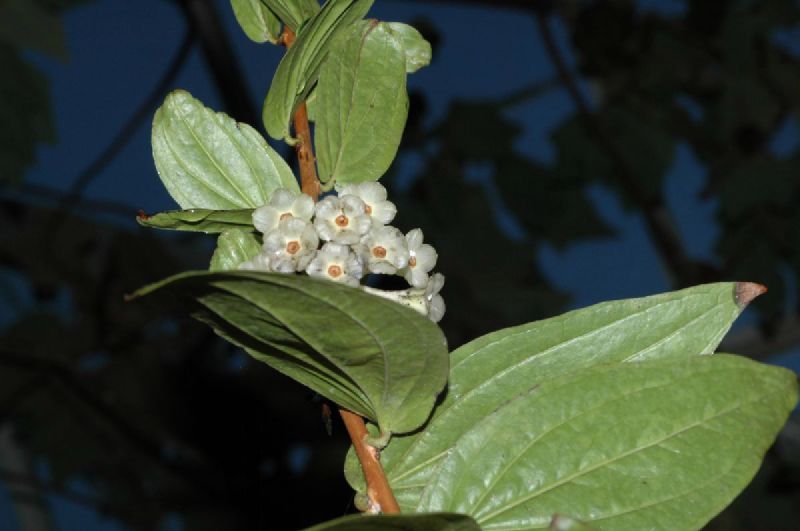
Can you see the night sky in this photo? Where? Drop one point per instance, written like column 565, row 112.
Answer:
column 118, row 50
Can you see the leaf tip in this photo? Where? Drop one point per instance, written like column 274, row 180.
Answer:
column 745, row 292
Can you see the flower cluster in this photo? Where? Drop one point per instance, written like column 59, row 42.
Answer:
column 356, row 239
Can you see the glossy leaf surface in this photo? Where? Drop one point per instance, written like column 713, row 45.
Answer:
column 258, row 22
column 417, row 49
column 490, row 370
column 362, row 104
column 650, row 445
column 299, row 68
column 208, row 160
column 293, row 12
column 365, row 353
column 234, row 246
column 407, row 522
column 199, row 220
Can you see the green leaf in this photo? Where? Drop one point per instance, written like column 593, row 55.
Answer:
column 488, row 371
column 234, row 247
column 417, row 49
column 293, row 12
column 208, row 160
column 199, row 220
column 365, row 353
column 406, row 522
column 650, row 445
column 299, row 68
column 258, row 22
column 560, row 522
column 362, row 104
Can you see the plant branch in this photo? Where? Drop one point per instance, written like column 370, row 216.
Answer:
column 379, row 492
column 14, row 478
column 666, row 239
column 61, row 375
column 309, row 182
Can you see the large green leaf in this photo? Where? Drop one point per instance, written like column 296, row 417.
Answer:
column 199, row 220
column 234, row 246
column 490, row 370
column 406, row 522
column 650, row 445
column 417, row 49
column 368, row 354
column 362, row 104
column 299, row 68
column 258, row 22
column 293, row 12
column 208, row 160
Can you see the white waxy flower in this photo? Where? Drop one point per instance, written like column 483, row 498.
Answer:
column 338, row 263
column 421, row 259
column 282, row 205
column 374, row 196
column 341, row 219
column 386, row 250
column 259, row 262
column 436, row 306
column 291, row 246
column 426, row 301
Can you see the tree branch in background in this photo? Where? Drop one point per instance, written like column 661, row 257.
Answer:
column 121, row 139
column 680, row 268
column 204, row 20
column 149, row 449
column 16, row 481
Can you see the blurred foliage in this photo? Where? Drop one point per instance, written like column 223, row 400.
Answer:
column 155, row 417
column 25, row 109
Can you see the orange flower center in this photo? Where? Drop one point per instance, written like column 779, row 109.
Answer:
column 342, row 220
column 368, row 209
column 286, row 215
column 379, row 252
column 412, row 261
column 334, row 271
column 292, row 247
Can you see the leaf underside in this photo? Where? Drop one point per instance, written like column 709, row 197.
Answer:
column 365, row 353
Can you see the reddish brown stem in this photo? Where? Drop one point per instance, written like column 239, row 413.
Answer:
column 378, row 490
column 309, row 182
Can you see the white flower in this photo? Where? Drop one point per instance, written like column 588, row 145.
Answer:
column 291, row 246
column 259, row 262
column 436, row 307
column 386, row 250
column 336, row 262
column 282, row 205
column 374, row 196
column 341, row 219
column 421, row 259
column 426, row 301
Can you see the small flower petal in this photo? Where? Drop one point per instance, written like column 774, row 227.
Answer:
column 341, row 220
column 282, row 205
column 292, row 245
column 421, row 259
column 373, row 195
column 336, row 262
column 387, row 250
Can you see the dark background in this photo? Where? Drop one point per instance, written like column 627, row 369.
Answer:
column 557, row 154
